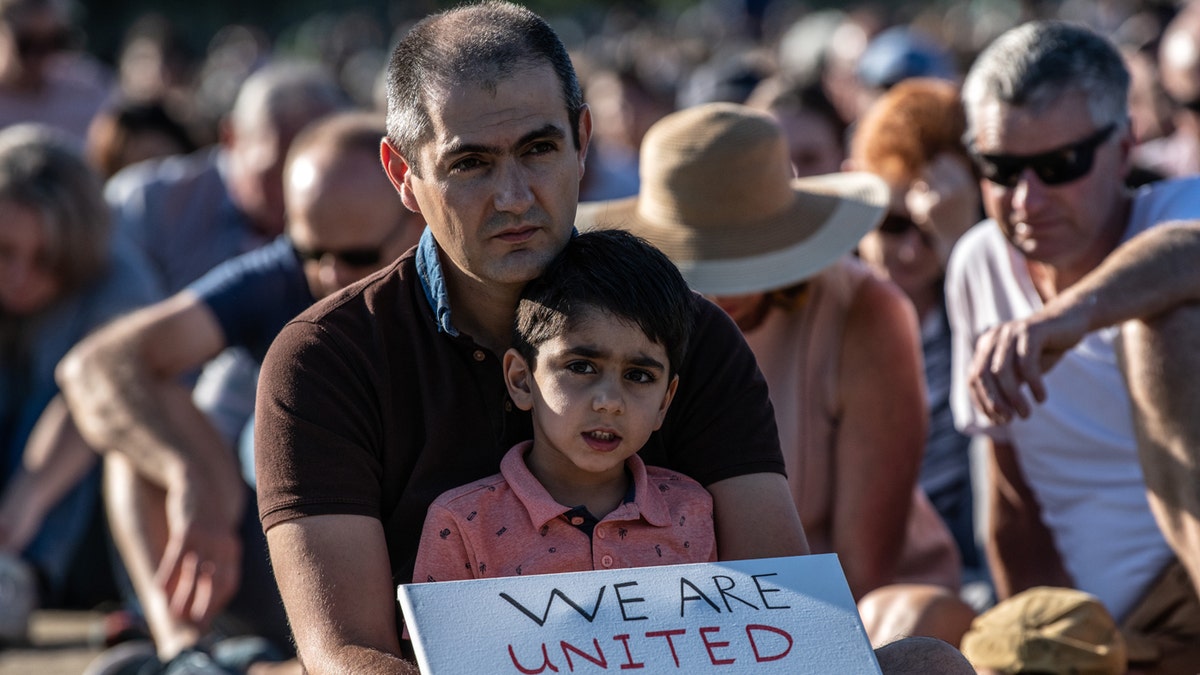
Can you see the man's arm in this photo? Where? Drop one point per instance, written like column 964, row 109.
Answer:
column 881, row 437
column 335, row 578
column 121, row 385
column 756, row 518
column 1150, row 274
column 1020, row 549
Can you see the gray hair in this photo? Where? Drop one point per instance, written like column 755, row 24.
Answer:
column 480, row 43
column 43, row 169
column 286, row 95
column 1035, row 64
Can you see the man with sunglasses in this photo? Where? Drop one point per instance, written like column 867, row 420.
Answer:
column 343, row 224
column 1048, row 129
column 42, row 79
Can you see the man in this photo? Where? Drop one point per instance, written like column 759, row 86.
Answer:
column 370, row 407
column 188, row 213
column 42, row 79
column 175, row 496
column 1048, row 128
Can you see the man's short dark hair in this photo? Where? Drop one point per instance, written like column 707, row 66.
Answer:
column 610, row 271
column 478, row 44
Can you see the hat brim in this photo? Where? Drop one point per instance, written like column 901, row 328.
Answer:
column 825, row 221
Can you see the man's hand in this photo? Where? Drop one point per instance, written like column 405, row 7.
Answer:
column 944, row 201
column 201, row 566
column 1017, row 354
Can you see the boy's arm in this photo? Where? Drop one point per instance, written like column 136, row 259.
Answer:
column 335, row 579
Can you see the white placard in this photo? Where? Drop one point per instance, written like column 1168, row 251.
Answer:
column 774, row 615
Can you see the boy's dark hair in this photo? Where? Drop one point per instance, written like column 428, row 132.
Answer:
column 611, row 271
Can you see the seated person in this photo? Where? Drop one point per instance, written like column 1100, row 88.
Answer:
column 595, row 358
column 124, row 389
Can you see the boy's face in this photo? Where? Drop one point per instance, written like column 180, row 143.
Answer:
column 599, row 390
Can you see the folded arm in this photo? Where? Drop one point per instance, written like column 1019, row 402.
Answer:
column 1150, row 274
column 122, row 386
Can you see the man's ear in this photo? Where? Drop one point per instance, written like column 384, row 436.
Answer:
column 399, row 172
column 666, row 402
column 585, row 136
column 518, row 378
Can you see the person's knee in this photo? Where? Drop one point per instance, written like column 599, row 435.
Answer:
column 922, row 656
column 902, row 610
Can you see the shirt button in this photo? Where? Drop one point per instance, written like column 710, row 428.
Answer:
column 577, row 521
column 479, row 355
column 606, row 561
column 600, row 533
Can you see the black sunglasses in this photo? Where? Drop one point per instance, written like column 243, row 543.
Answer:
column 32, row 45
column 1055, row 167
column 896, row 224
column 365, row 256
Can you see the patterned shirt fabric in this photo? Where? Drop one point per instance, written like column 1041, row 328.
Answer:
column 508, row 525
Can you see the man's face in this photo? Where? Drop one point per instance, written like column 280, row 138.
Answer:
column 344, row 218
column 29, row 41
column 499, row 177
column 256, row 174
column 1070, row 225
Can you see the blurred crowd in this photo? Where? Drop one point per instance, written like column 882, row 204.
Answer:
column 167, row 187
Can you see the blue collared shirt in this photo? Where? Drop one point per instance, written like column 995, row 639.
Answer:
column 433, row 282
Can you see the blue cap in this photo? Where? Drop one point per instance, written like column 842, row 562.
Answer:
column 899, row 53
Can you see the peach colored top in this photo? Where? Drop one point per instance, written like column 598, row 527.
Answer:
column 799, row 353
column 508, row 525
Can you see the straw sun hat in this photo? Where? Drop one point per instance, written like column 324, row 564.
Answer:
column 717, row 196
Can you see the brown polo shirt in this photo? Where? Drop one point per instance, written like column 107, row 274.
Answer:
column 365, row 407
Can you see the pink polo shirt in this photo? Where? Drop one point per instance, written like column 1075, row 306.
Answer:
column 508, row 525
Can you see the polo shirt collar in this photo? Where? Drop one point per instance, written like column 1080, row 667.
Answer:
column 433, row 281
column 648, row 503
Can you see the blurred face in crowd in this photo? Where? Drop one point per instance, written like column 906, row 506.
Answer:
column 903, row 250
column 256, row 158
column 813, row 143
column 344, row 218
column 499, row 176
column 28, row 39
column 27, row 281
column 1065, row 224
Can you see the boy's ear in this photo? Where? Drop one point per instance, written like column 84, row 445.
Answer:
column 517, row 376
column 666, row 403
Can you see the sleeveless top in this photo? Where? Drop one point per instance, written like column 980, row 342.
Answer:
column 799, row 353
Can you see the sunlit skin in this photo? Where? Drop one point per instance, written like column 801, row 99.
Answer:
column 27, row 283
column 597, row 392
column 344, row 204
column 1063, row 230
column 499, row 179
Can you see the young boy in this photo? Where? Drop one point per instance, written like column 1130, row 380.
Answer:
column 597, row 341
